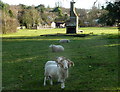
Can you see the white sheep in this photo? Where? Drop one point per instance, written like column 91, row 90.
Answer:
column 56, row 48
column 64, row 41
column 57, row 70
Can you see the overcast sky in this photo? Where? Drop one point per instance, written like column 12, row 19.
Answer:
column 87, row 4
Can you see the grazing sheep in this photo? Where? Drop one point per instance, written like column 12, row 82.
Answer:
column 56, row 48
column 57, row 70
column 64, row 41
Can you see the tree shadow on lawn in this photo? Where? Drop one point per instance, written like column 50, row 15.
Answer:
column 47, row 35
column 32, row 85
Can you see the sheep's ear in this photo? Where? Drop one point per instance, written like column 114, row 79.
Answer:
column 60, row 64
column 63, row 57
column 57, row 61
column 70, row 63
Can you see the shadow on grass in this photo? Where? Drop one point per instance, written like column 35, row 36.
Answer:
column 38, row 85
column 47, row 35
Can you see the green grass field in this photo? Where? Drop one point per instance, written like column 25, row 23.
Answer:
column 87, row 30
column 96, row 59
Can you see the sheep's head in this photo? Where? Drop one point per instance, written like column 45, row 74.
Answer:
column 64, row 63
column 51, row 46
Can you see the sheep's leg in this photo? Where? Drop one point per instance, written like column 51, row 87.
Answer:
column 62, row 85
column 59, row 80
column 51, row 82
column 45, row 81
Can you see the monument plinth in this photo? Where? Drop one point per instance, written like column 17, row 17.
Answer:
column 72, row 23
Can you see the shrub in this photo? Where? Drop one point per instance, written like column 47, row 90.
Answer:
column 9, row 25
column 8, row 22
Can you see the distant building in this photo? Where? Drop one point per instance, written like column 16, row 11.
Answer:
column 21, row 27
column 60, row 24
column 53, row 25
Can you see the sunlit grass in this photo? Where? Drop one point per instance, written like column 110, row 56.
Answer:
column 87, row 30
column 28, row 32
column 100, row 30
column 108, row 45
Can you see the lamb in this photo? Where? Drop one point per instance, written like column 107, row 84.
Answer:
column 64, row 41
column 57, row 70
column 56, row 48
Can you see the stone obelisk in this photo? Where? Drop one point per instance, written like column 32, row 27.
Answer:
column 72, row 23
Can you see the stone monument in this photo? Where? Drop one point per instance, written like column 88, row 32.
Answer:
column 72, row 23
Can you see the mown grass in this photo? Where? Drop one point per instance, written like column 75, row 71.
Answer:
column 95, row 57
column 87, row 30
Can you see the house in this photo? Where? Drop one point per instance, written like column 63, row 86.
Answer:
column 53, row 25
column 60, row 24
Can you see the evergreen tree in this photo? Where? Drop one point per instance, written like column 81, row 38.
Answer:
column 112, row 16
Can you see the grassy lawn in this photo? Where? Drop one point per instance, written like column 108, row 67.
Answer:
column 95, row 58
column 87, row 30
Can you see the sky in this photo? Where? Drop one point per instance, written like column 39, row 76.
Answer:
column 86, row 4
